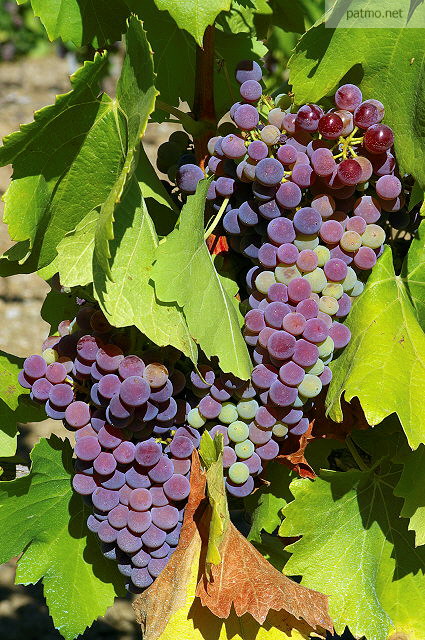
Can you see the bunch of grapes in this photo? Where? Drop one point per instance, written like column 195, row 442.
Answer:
column 301, row 195
column 133, row 447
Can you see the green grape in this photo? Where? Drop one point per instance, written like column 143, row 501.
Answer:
column 373, row 237
column 247, row 409
column 326, row 347
column 283, row 101
column 311, row 386
column 238, row 431
column 328, row 305
column 195, row 419
column 286, row 274
column 238, row 472
column 333, row 290
column 350, row 279
column 357, row 289
column 323, row 254
column 244, row 449
column 280, row 430
column 264, row 281
column 306, row 242
column 351, row 241
column 228, row 413
column 270, row 135
column 317, row 368
column 317, row 279
column 299, row 402
column 50, row 355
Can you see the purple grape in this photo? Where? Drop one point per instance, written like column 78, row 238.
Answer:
column 231, row 222
column 287, row 253
column 56, row 373
column 281, row 231
column 326, row 376
column 118, row 516
column 233, row 146
column 299, row 289
column 307, row 221
column 124, row 494
column 208, row 378
column 181, row 465
column 141, row 578
column 246, row 117
column 35, row 367
column 157, row 565
column 344, row 306
column 177, row 488
column 251, row 90
column 258, row 150
column 258, row 435
column 308, row 117
column 340, row 334
column 281, row 345
column 61, row 395
column 92, row 523
column 136, row 479
column 268, row 451
column 87, row 448
column 105, row 499
column 162, row 552
column 133, row 392
column 162, row 471
column 229, row 457
column 131, row 366
column 225, row 186
column 166, row 517
column 287, row 154
column 105, row 464
column 109, row 385
column 128, row 542
column 125, row 452
column 40, row 390
column 182, row 447
column 248, row 70
column 254, row 320
column 282, row 395
column 305, row 353
column 109, row 437
column 87, row 348
column 117, row 413
column 315, row 330
column 291, row 374
column 294, row 323
column 269, row 172
column 109, row 357
column 364, row 259
column 140, row 499
column 300, row 428
column 84, row 484
column 308, row 308
column 289, row 194
column 263, row 376
column 154, row 537
column 275, row 313
column 331, row 231
column 139, row 521
column 167, row 410
column 188, row 176
column 141, row 559
column 303, row 175
column 163, row 394
column 270, row 210
column 247, row 213
column 335, row 270
column 240, row 490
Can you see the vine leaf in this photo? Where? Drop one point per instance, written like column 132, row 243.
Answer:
column 413, row 273
column 98, row 22
column 266, row 503
column 58, row 306
column 410, row 487
column 194, row 16
column 357, row 549
column 385, row 332
column 43, row 519
column 316, row 69
column 184, row 273
column 174, row 50
column 15, row 404
column 136, row 96
column 129, row 297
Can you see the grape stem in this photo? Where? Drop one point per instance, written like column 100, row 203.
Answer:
column 354, row 452
column 216, row 219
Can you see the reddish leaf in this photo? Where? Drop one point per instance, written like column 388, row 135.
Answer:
column 325, row 427
column 155, row 606
column 217, row 244
column 292, row 453
column 247, row 581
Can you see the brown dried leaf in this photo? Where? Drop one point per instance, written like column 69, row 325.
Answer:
column 292, row 453
column 354, row 419
column 247, row 581
column 155, row 606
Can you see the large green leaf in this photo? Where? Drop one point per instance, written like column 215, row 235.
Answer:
column 75, row 156
column 384, row 54
column 15, row 404
column 194, row 16
column 266, row 503
column 384, row 363
column 357, row 550
column 175, row 58
column 136, row 95
column 43, row 519
column 98, row 22
column 58, row 306
column 413, row 273
column 241, row 17
column 128, row 298
column 410, row 487
column 184, row 273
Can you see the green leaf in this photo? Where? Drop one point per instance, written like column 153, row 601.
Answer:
column 317, row 67
column 43, row 519
column 211, row 452
column 175, row 59
column 289, row 16
column 413, row 273
column 129, row 297
column 357, row 550
column 65, row 163
column 384, row 363
column 241, row 17
column 58, row 306
column 184, row 273
column 136, row 96
column 194, row 16
column 410, row 487
column 15, row 404
column 268, row 501
column 75, row 254
column 98, row 22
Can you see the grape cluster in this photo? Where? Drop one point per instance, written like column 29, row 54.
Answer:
column 133, row 447
column 301, row 195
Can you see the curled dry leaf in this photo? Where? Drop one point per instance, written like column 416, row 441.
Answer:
column 247, row 581
column 292, row 453
column 217, row 244
column 155, row 606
